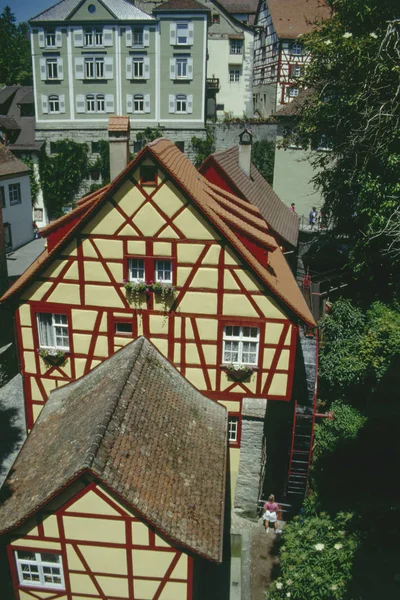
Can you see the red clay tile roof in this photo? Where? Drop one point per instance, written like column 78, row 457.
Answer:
column 277, row 276
column 139, row 427
column 181, row 5
column 118, row 124
column 9, row 164
column 258, row 192
column 292, row 18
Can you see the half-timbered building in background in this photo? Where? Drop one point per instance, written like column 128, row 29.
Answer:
column 279, row 57
column 221, row 302
column 119, row 490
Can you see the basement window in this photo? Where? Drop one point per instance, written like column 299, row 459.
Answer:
column 39, row 569
column 148, row 175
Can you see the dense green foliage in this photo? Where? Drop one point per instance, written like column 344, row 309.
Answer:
column 149, row 134
column 35, row 187
column 263, row 156
column 62, row 175
column 101, row 166
column 354, row 109
column 357, row 350
column 316, row 559
column 346, row 425
column 203, row 147
column 15, row 51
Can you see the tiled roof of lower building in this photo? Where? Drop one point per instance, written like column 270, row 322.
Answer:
column 9, row 164
column 144, row 431
column 292, row 18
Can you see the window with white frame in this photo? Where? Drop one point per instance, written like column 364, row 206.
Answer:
column 54, row 104
column 234, row 75
column 138, row 103
column 136, row 269
column 95, row 103
column 94, row 68
column 163, row 271
column 14, row 193
column 52, row 68
column 181, row 68
column 138, row 67
column 53, row 331
column 42, row 569
column 240, row 345
column 51, row 38
column 182, row 33
column 296, row 50
column 236, row 46
column 137, row 36
column 293, row 92
column 93, row 37
column 233, row 428
column 181, row 103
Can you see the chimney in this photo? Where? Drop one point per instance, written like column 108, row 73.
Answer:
column 118, row 136
column 245, row 141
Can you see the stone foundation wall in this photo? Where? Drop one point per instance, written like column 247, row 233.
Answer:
column 227, row 134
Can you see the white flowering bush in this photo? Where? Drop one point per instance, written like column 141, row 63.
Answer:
column 316, row 559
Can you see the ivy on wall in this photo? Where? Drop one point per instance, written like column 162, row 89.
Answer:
column 33, row 181
column 203, row 147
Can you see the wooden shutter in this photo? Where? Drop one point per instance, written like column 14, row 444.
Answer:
column 78, row 38
column 43, row 71
column 146, row 36
column 109, row 101
column 172, row 68
column 171, row 103
column 45, row 104
column 109, row 67
column 41, row 38
column 61, row 99
column 58, row 38
column 107, row 36
column 79, row 67
column 60, row 68
column 129, row 103
column 80, row 103
column 146, row 67
column 190, row 68
column 172, row 34
column 128, row 67
column 191, row 34
column 189, row 104
column 146, row 103
column 128, row 37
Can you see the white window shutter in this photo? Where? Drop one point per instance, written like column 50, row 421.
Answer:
column 109, row 67
column 109, row 103
column 128, row 37
column 172, row 34
column 61, row 99
column 190, row 68
column 128, row 65
column 78, row 38
column 107, row 36
column 129, row 103
column 191, row 33
column 146, row 36
column 80, row 103
column 58, row 38
column 43, row 72
column 146, row 67
column 45, row 105
column 79, row 70
column 60, row 68
column 41, row 38
column 147, row 103
column 189, row 104
column 172, row 69
column 171, row 103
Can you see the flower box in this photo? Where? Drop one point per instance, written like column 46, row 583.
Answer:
column 52, row 357
column 239, row 372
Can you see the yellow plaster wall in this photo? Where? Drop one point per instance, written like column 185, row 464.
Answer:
column 50, row 526
column 27, row 338
column 238, row 305
column 25, row 315
column 169, row 199
column 106, row 221
column 65, row 293
column 83, row 319
column 148, row 220
column 193, row 226
column 101, row 295
column 189, row 253
column 204, row 303
column 109, row 248
column 94, row 530
column 92, row 504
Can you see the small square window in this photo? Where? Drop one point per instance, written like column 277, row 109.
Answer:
column 95, row 147
column 233, row 429
column 148, row 175
column 14, row 193
column 123, row 328
column 240, row 345
column 234, row 75
column 236, row 46
column 182, row 33
column 163, row 271
column 53, row 331
column 136, row 269
column 41, row 569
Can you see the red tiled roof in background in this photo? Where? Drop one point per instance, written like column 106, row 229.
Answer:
column 292, row 18
column 118, row 124
column 181, row 5
column 144, row 431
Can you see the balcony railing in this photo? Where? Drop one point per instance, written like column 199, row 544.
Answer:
column 213, row 84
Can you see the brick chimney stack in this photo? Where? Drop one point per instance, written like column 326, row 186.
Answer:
column 118, row 136
column 245, row 142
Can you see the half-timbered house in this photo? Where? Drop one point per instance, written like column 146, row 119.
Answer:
column 164, row 253
column 279, row 57
column 108, row 498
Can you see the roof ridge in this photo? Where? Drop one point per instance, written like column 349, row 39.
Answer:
column 102, row 427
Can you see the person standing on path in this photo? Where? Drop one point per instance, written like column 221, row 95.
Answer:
column 270, row 515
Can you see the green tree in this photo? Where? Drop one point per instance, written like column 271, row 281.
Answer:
column 15, row 51
column 354, row 109
column 62, row 175
column 203, row 147
column 263, row 156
